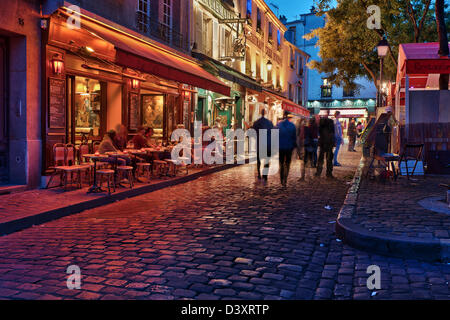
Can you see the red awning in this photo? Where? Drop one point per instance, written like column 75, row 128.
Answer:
column 419, row 61
column 290, row 106
column 147, row 56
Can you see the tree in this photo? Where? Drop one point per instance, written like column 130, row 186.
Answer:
column 443, row 40
column 347, row 45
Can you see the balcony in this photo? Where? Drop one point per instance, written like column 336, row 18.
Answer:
column 161, row 32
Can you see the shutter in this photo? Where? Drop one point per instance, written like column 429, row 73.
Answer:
column 215, row 48
column 223, row 43
column 199, row 30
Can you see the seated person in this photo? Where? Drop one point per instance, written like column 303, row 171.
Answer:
column 148, row 134
column 107, row 145
column 140, row 140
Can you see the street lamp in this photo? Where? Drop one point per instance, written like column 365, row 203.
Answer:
column 269, row 65
column 382, row 49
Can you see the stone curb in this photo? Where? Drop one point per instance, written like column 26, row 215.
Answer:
column 43, row 217
column 390, row 245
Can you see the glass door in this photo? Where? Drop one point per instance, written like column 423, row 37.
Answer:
column 85, row 110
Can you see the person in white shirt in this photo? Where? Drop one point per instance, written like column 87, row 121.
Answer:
column 339, row 138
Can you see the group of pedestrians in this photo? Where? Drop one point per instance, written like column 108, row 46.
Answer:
column 317, row 134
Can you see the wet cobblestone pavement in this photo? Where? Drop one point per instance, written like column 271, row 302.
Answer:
column 223, row 236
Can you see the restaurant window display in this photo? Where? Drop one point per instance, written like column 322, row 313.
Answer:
column 153, row 113
column 85, row 115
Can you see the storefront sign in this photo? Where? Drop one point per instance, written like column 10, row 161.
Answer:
column 438, row 66
column 57, row 105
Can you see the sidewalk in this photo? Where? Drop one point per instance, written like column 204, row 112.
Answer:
column 388, row 218
column 25, row 209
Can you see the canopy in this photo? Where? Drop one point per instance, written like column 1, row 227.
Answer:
column 288, row 105
column 147, row 56
column 421, row 62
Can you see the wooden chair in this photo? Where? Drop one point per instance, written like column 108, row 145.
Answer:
column 405, row 156
column 84, row 149
column 63, row 155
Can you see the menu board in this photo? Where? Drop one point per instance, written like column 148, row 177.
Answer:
column 133, row 111
column 57, row 104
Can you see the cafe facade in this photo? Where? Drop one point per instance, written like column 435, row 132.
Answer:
column 100, row 75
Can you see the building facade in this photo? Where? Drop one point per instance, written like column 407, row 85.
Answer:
column 20, row 93
column 71, row 71
column 324, row 98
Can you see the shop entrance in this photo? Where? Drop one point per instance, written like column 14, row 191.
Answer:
column 152, row 111
column 4, row 142
column 86, row 110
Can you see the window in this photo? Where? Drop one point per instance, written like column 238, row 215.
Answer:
column 143, row 15
column 291, row 92
column 270, row 33
column 166, row 7
column 258, row 20
column 299, row 95
column 326, row 89
column 165, row 20
column 300, row 66
column 88, row 107
column 292, row 56
column 249, row 10
column 348, row 92
column 278, row 40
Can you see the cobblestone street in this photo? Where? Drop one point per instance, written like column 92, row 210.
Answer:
column 221, row 236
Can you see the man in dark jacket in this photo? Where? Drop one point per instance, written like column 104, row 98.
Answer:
column 288, row 142
column 351, row 133
column 263, row 156
column 326, row 144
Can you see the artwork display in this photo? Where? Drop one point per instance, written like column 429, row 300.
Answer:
column 153, row 111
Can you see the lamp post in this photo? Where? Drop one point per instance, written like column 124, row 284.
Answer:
column 382, row 49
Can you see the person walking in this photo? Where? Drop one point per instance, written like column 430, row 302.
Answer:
column 301, row 151
column 312, row 137
column 351, row 133
column 339, row 138
column 326, row 144
column 263, row 156
column 288, row 137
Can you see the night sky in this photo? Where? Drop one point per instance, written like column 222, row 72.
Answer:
column 290, row 8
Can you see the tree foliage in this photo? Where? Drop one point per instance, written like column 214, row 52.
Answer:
column 348, row 46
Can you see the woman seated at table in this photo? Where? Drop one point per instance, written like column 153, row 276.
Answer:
column 139, row 140
column 148, row 135
column 107, row 145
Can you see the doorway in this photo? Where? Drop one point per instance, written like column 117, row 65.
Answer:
column 4, row 141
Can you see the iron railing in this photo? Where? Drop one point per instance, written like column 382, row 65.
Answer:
column 161, row 32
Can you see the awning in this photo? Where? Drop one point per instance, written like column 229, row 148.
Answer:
column 288, row 105
column 144, row 55
column 228, row 73
column 421, row 62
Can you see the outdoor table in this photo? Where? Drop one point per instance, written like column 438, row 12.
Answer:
column 95, row 157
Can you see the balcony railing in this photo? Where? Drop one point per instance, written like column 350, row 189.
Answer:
column 161, row 32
